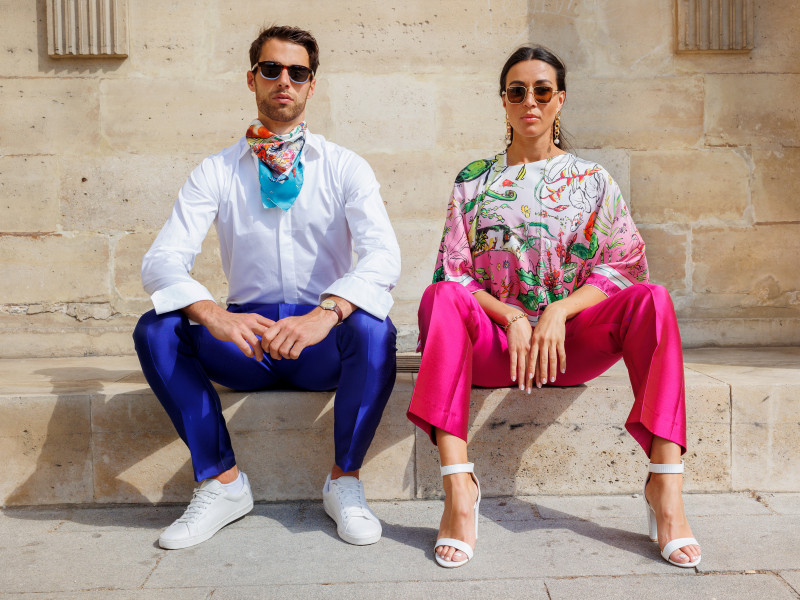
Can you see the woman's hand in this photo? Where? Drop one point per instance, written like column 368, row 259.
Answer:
column 547, row 352
column 519, row 338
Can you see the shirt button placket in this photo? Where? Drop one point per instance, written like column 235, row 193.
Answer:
column 286, row 250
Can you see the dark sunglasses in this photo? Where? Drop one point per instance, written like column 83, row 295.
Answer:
column 542, row 94
column 273, row 70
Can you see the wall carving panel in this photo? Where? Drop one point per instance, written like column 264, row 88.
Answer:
column 714, row 25
column 87, row 28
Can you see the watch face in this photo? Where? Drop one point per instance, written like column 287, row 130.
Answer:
column 328, row 304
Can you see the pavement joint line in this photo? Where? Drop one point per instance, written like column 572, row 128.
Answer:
column 795, row 591
column 155, row 566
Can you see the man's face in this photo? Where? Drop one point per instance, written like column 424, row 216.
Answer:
column 281, row 102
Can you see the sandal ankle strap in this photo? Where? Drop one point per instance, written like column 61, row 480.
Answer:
column 654, row 468
column 464, row 468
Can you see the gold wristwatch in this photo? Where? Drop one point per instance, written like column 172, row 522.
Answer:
column 329, row 304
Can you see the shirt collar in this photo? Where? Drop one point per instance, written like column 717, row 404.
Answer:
column 311, row 149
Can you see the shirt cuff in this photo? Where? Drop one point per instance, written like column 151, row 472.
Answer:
column 365, row 295
column 607, row 280
column 179, row 295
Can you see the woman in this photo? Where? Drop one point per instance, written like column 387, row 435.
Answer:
column 539, row 263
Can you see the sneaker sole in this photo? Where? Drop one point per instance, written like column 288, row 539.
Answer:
column 350, row 539
column 197, row 539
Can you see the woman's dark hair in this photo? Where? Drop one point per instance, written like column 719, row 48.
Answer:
column 287, row 33
column 543, row 54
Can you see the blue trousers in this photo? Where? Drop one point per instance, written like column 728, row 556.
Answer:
column 180, row 360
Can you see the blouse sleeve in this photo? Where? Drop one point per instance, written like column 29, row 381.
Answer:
column 454, row 262
column 621, row 260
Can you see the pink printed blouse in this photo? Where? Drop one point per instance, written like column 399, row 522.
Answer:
column 532, row 234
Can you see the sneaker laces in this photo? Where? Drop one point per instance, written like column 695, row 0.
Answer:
column 351, row 499
column 201, row 499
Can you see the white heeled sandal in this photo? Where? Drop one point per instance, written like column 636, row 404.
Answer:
column 458, row 544
column 677, row 543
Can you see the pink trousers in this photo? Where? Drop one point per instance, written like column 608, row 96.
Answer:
column 462, row 347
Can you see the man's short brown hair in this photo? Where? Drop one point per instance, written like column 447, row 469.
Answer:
column 287, row 33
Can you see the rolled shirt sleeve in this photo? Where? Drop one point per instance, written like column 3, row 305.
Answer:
column 166, row 265
column 369, row 282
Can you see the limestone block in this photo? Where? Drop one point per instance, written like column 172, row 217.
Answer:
column 573, row 441
column 417, row 185
column 319, row 112
column 167, row 39
column 34, row 337
column 404, row 317
column 735, row 123
column 131, row 248
column 141, row 467
column 68, row 376
column 54, row 268
column 363, row 124
column 580, row 32
column 172, row 116
column 775, row 185
column 21, row 38
column 635, row 113
column 419, row 245
column 45, row 448
column 666, row 257
column 687, row 186
column 697, row 333
column 128, row 192
column 618, row 165
column 469, row 113
column 48, row 115
column 765, row 395
column 365, row 36
column 29, row 193
column 749, row 261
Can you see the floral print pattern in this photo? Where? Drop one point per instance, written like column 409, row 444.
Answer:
column 532, row 234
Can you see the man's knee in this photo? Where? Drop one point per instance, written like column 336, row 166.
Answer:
column 152, row 326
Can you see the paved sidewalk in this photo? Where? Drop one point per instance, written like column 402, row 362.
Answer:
column 529, row 547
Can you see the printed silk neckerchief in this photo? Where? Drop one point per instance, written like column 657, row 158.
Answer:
column 280, row 171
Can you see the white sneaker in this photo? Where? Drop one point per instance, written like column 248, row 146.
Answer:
column 209, row 511
column 345, row 503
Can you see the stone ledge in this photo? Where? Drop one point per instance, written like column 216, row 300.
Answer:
column 88, row 430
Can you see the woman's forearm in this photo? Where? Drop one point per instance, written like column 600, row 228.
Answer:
column 579, row 300
column 499, row 312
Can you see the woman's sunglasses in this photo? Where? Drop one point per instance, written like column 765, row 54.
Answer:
column 542, row 94
column 273, row 70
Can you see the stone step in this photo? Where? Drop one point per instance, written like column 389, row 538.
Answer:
column 89, row 430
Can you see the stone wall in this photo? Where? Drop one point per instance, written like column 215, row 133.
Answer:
column 92, row 151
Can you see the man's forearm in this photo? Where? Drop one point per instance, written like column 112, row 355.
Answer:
column 202, row 311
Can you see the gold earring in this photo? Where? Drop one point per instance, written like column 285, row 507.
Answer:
column 557, row 129
column 509, row 131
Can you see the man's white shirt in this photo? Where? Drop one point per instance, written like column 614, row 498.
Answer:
column 269, row 256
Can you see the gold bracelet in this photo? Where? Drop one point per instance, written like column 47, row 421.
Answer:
column 512, row 319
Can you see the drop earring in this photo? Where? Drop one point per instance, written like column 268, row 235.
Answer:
column 557, row 129
column 509, row 131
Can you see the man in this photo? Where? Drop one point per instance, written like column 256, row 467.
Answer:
column 290, row 209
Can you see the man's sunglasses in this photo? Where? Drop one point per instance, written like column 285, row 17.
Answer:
column 542, row 94
column 273, row 70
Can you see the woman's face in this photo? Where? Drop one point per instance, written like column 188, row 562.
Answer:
column 530, row 118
